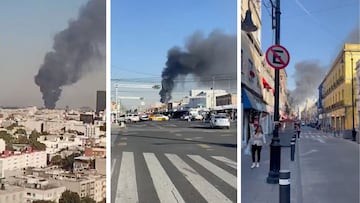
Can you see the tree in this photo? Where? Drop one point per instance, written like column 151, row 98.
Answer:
column 12, row 126
column 56, row 160
column 22, row 139
column 87, row 200
column 34, row 143
column 68, row 162
column 20, row 131
column 6, row 137
column 69, row 197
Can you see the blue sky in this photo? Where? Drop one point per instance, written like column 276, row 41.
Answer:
column 27, row 31
column 312, row 30
column 143, row 31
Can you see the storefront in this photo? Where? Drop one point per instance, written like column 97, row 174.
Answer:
column 253, row 110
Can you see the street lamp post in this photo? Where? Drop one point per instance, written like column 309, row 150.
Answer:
column 275, row 147
column 353, row 132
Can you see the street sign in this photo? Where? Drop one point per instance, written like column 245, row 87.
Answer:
column 277, row 57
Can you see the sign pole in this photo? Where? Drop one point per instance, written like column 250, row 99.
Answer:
column 275, row 147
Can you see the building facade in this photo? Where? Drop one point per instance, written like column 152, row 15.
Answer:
column 89, row 186
column 336, row 92
column 13, row 194
column 20, row 160
column 358, row 94
column 100, row 101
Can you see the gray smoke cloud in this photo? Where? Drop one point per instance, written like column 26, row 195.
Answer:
column 308, row 76
column 354, row 36
column 75, row 50
column 206, row 58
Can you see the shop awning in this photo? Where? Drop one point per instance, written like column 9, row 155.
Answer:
column 250, row 101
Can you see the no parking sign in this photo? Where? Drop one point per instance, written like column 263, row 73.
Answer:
column 277, row 57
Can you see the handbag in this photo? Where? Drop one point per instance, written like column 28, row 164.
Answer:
column 247, row 150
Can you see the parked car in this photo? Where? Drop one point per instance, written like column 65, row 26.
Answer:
column 219, row 121
column 129, row 118
column 158, row 117
column 144, row 117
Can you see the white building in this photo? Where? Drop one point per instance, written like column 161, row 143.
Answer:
column 13, row 194
column 87, row 185
column 55, row 143
column 2, row 146
column 31, row 125
column 204, row 97
column 18, row 160
column 92, row 131
column 37, row 188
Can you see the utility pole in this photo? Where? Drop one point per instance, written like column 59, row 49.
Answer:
column 213, row 94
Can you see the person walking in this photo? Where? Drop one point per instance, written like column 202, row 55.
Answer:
column 257, row 140
column 298, row 130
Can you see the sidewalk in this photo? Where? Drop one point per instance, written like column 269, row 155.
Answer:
column 254, row 188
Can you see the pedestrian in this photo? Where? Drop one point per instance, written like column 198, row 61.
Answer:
column 257, row 139
column 298, row 131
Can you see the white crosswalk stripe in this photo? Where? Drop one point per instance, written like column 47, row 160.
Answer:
column 208, row 191
column 219, row 172
column 126, row 185
column 226, row 161
column 196, row 170
column 165, row 189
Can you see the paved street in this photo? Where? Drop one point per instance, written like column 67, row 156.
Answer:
column 173, row 161
column 326, row 169
column 329, row 167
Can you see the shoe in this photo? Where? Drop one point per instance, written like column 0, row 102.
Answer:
column 253, row 165
column 257, row 165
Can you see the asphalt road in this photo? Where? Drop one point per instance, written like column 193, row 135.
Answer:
column 173, row 161
column 329, row 167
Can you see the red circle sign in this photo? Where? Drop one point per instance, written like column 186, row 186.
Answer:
column 277, row 57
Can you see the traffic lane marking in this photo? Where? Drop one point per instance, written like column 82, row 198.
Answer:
column 122, row 144
column 113, row 166
column 204, row 146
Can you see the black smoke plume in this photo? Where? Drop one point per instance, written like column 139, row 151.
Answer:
column 308, row 76
column 210, row 58
column 74, row 49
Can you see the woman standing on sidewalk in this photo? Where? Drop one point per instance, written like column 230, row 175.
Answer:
column 257, row 140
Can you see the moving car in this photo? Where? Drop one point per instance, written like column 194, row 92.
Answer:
column 220, row 121
column 158, row 117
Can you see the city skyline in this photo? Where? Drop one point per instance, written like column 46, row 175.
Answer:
column 28, row 37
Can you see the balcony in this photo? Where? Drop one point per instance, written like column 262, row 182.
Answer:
column 334, row 106
column 337, row 83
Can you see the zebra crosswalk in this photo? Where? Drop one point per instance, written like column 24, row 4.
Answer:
column 317, row 135
column 211, row 177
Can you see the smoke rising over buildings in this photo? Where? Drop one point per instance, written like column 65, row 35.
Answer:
column 308, row 76
column 206, row 58
column 354, row 36
column 77, row 50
